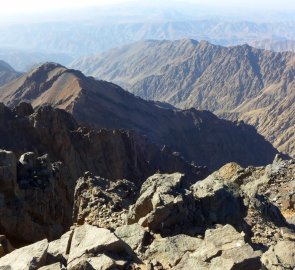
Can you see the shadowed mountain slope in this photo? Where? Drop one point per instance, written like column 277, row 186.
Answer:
column 239, row 82
column 7, row 73
column 199, row 136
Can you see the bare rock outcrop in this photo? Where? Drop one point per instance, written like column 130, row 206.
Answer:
column 163, row 205
column 216, row 223
column 218, row 201
column 268, row 197
column 56, row 133
column 35, row 198
column 101, row 202
column 48, row 151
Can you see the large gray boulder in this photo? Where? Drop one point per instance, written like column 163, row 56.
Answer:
column 54, row 266
column 134, row 235
column 169, row 251
column 280, row 256
column 219, row 201
column 89, row 241
column 223, row 248
column 163, row 205
column 27, row 258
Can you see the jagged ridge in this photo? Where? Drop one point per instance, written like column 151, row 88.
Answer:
column 238, row 82
column 198, row 135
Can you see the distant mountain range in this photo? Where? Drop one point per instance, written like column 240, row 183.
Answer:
column 199, row 136
column 7, row 73
column 24, row 45
column 275, row 45
column 24, row 60
column 87, row 37
column 238, row 82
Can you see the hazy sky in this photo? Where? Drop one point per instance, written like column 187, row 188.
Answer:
column 28, row 6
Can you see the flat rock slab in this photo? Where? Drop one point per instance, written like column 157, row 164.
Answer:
column 27, row 258
column 89, row 241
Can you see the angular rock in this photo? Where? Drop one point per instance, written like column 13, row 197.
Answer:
column 59, row 249
column 36, row 202
column 224, row 238
column 163, row 206
column 101, row 202
column 240, row 257
column 55, row 266
column 134, row 235
column 103, row 262
column 170, row 250
column 279, row 257
column 222, row 248
column 220, row 202
column 89, row 241
column 27, row 258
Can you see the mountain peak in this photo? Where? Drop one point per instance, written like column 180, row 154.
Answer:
column 49, row 83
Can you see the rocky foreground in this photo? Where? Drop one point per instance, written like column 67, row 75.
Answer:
column 236, row 218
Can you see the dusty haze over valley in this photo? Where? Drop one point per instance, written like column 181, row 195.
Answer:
column 147, row 135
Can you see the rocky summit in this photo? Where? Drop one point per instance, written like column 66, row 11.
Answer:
column 86, row 194
column 235, row 218
column 176, row 152
column 198, row 136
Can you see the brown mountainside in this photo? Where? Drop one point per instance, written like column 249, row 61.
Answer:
column 199, row 136
column 239, row 82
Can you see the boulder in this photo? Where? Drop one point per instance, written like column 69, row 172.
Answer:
column 170, row 250
column 134, row 235
column 103, row 262
column 222, row 248
column 280, row 256
column 240, row 257
column 163, row 205
column 224, row 237
column 27, row 258
column 55, row 266
column 101, row 202
column 89, row 241
column 219, row 201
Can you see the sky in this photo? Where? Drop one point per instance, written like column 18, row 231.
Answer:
column 30, row 6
